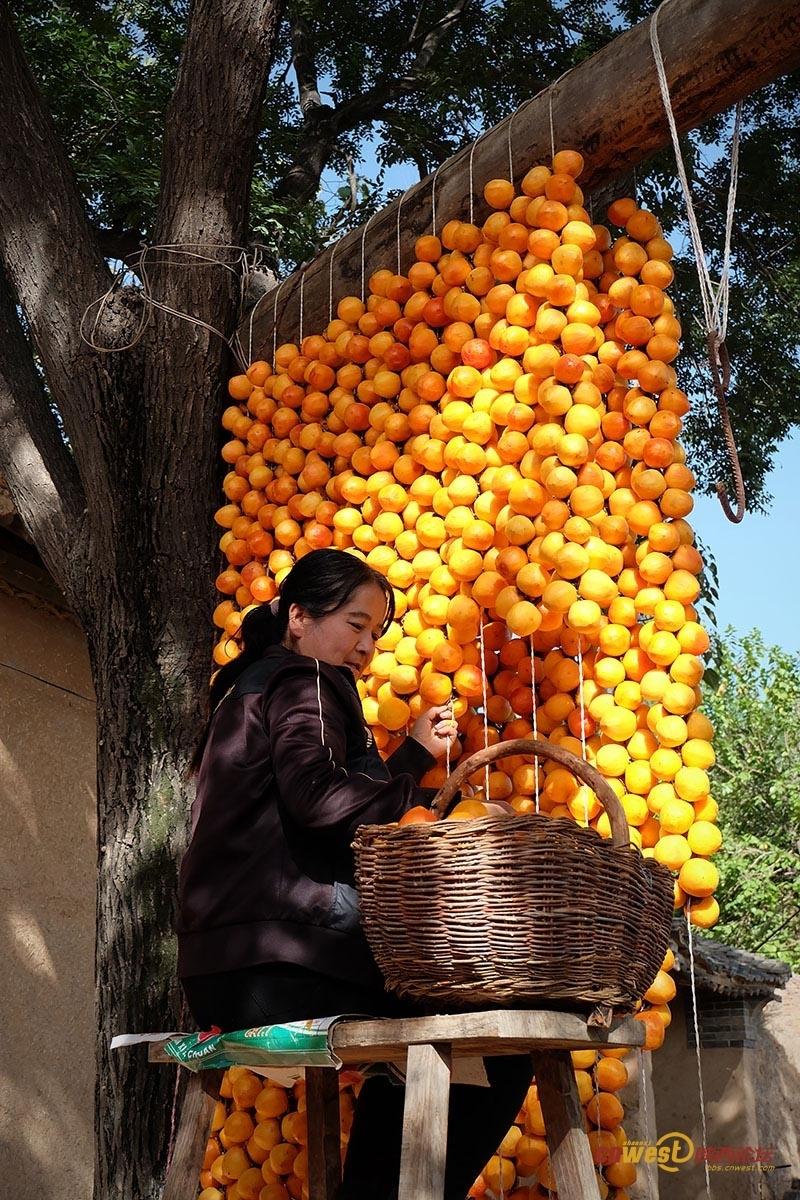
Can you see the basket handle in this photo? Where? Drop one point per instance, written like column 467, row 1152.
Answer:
column 586, row 773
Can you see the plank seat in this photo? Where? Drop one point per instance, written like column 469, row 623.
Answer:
column 426, row 1047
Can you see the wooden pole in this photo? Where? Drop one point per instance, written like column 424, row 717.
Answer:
column 570, row 1153
column 609, row 107
column 425, row 1115
column 322, row 1106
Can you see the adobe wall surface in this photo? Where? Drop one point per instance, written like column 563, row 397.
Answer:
column 47, row 870
column 774, row 1068
column 729, row 1110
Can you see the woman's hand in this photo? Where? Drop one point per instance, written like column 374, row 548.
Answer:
column 436, row 729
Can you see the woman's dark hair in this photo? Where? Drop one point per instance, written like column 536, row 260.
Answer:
column 321, row 582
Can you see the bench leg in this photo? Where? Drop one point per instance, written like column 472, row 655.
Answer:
column 324, row 1136
column 190, row 1141
column 422, row 1160
column 567, row 1142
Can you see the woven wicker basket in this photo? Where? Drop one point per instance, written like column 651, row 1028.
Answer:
column 514, row 910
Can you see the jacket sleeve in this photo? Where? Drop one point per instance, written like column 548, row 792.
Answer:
column 307, row 725
column 410, row 758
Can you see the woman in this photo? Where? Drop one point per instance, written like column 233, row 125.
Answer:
column 269, row 925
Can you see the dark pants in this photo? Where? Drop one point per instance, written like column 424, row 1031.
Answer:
column 479, row 1117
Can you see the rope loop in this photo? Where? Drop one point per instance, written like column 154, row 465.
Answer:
column 720, row 365
column 172, row 255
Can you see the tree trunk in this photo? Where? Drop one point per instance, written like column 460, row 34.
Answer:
column 134, row 546
column 148, row 723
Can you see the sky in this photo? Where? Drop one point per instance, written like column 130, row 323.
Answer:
column 758, row 561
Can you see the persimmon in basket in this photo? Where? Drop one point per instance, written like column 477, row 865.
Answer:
column 419, row 815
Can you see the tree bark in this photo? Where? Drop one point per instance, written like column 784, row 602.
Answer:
column 141, row 427
column 54, row 264
column 34, row 458
column 609, row 107
column 147, row 726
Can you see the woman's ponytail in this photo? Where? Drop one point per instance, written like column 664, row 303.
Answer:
column 260, row 629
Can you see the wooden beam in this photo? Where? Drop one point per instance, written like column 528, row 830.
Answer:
column 495, row 1031
column 609, row 107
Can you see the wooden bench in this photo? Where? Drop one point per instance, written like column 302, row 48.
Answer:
column 426, row 1046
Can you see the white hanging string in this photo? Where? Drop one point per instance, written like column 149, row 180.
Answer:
column 302, row 291
column 534, row 727
column 485, row 713
column 278, row 291
column 532, row 100
column 472, row 178
column 433, row 199
column 330, row 281
column 510, row 146
column 399, row 210
column 582, row 699
column 688, row 915
column 643, row 1101
column 714, row 296
column 406, row 195
column 363, row 247
column 583, row 729
column 550, row 119
column 250, row 323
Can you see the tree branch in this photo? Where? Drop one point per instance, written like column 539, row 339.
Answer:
column 119, row 243
column 53, row 261
column 303, row 62
column 323, row 125
column 37, row 466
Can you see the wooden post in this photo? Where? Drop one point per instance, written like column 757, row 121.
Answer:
column 324, row 1137
column 422, row 1161
column 609, row 107
column 190, row 1142
column 564, row 1121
